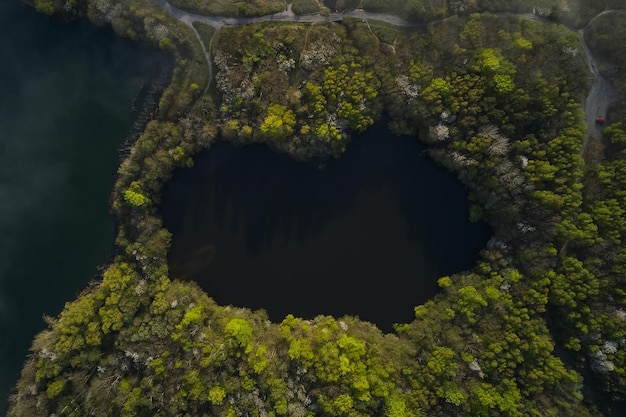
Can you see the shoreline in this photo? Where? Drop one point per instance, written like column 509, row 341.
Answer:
column 143, row 243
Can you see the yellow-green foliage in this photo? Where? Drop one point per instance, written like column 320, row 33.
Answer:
column 55, row 388
column 488, row 60
column 509, row 99
column 135, row 196
column 504, row 83
column 193, row 315
column 45, row 6
column 524, row 44
column 279, row 123
column 239, row 329
column 395, row 406
column 217, row 395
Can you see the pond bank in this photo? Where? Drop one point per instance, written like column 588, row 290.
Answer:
column 368, row 234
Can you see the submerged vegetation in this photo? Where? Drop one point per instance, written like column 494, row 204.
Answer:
column 498, row 97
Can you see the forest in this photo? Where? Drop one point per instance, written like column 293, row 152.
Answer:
column 536, row 328
column 603, row 31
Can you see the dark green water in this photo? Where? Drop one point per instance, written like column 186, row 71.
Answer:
column 65, row 108
column 368, row 235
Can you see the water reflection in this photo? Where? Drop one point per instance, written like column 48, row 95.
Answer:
column 66, row 101
column 367, row 235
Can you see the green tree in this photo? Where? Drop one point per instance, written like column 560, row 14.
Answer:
column 279, row 123
column 135, row 196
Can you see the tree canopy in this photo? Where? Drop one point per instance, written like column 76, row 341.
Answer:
column 498, row 100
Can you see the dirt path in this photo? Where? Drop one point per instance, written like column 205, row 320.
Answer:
column 600, row 97
column 217, row 22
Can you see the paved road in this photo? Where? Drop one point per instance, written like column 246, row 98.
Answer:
column 218, row 22
column 600, row 97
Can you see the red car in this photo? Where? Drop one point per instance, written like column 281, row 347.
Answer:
column 600, row 120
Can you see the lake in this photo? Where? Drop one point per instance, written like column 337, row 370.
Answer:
column 367, row 234
column 66, row 101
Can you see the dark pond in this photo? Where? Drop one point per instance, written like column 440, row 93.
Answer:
column 66, row 94
column 367, row 235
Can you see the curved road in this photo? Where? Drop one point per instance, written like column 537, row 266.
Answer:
column 217, row 22
column 600, row 97
column 287, row 15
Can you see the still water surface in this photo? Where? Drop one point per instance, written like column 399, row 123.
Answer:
column 367, row 235
column 65, row 108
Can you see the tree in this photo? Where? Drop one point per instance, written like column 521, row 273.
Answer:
column 279, row 123
column 135, row 196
